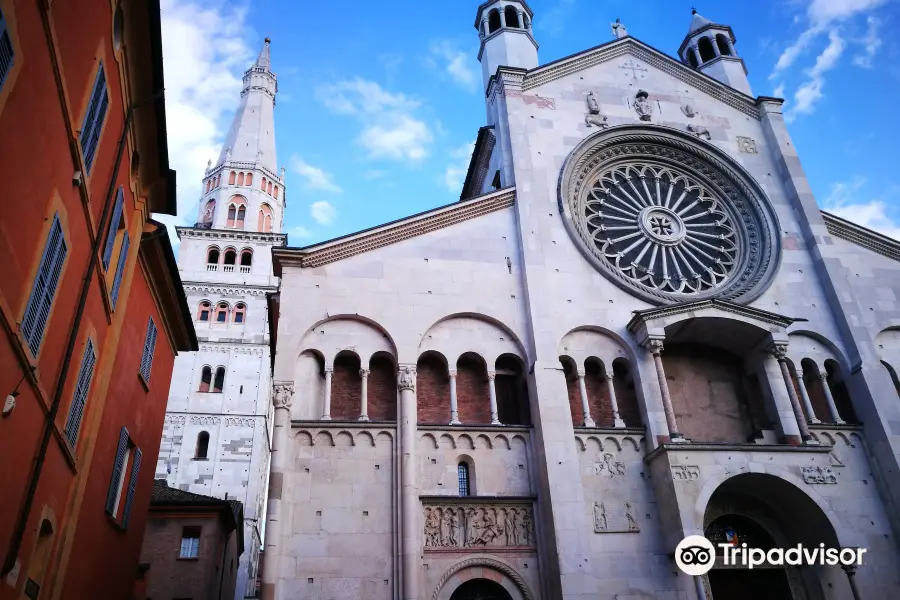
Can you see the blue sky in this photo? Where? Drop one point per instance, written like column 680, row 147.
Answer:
column 379, row 102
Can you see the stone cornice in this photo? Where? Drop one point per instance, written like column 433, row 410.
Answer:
column 279, row 239
column 392, row 233
column 643, row 316
column 630, row 46
column 228, row 290
column 861, row 236
column 752, row 448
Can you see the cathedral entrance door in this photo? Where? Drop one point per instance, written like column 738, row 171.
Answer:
column 744, row 584
column 480, row 589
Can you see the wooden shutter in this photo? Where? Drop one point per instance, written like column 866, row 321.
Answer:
column 132, row 484
column 120, row 270
column 82, row 387
column 149, row 349
column 7, row 55
column 93, row 119
column 113, row 228
column 44, row 288
column 118, row 468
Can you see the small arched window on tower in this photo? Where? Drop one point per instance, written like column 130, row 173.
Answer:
column 275, row 195
column 462, row 474
column 493, row 21
column 270, row 188
column 241, row 213
column 230, row 259
column 212, row 257
column 512, row 16
column 246, row 260
column 264, row 223
column 240, row 179
column 210, row 211
column 204, row 312
column 231, row 178
column 232, row 214
column 722, row 43
column 219, row 382
column 692, row 58
column 205, row 379
column 249, row 180
column 222, row 312
column 263, row 185
column 240, row 312
column 202, row 449
column 704, row 45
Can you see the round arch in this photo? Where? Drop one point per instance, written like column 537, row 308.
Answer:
column 831, row 346
column 523, row 354
column 509, row 579
column 348, row 317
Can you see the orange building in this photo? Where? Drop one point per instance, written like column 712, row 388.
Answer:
column 92, row 311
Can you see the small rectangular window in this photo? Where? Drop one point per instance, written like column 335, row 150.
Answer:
column 114, row 225
column 127, row 467
column 94, row 116
column 82, row 387
column 43, row 290
column 7, row 55
column 149, row 350
column 120, row 270
column 190, row 543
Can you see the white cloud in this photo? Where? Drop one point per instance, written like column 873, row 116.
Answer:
column 323, row 212
column 872, row 42
column 314, row 177
column 300, row 232
column 810, row 92
column 844, row 202
column 827, row 11
column 779, row 91
column 793, row 52
column 455, row 174
column 390, row 128
column 204, row 54
column 554, row 19
column 455, row 63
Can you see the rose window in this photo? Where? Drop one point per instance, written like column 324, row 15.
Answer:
column 667, row 219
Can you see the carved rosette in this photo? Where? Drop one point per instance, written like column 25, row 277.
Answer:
column 475, row 527
column 284, row 395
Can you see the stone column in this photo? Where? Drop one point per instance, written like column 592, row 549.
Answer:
column 656, row 347
column 779, row 351
column 832, row 407
column 731, row 47
column 715, row 46
column 807, row 403
column 521, row 16
column 850, row 570
column 281, row 433
column 696, row 52
column 364, row 403
column 410, row 508
column 326, row 412
column 485, row 29
column 701, row 589
column 454, row 406
column 617, row 419
column 585, row 407
column 495, row 419
column 502, row 18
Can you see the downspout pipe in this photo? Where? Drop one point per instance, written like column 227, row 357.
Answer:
column 15, row 545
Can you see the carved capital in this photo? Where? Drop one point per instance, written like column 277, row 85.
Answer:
column 452, row 373
column 492, row 375
column 364, row 373
column 284, row 395
column 779, row 351
column 329, row 371
column 850, row 570
column 654, row 346
column 406, row 378
column 823, row 375
column 581, row 373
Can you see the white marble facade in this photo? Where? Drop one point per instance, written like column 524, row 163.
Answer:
column 218, row 428
column 570, row 497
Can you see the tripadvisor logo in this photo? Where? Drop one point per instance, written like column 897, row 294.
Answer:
column 696, row 555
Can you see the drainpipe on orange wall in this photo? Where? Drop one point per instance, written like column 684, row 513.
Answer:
column 19, row 531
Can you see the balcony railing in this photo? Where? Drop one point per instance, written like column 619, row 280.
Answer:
column 245, row 269
column 212, row 267
column 228, row 268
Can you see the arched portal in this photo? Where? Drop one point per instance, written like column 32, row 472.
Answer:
column 765, row 511
column 480, row 589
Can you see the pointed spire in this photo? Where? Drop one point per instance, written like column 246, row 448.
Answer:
column 698, row 21
column 263, row 61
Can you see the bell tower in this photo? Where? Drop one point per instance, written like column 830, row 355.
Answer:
column 709, row 48
column 507, row 39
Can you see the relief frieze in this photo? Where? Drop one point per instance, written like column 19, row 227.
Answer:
column 608, row 466
column 615, row 517
column 685, row 473
column 818, row 475
column 475, row 526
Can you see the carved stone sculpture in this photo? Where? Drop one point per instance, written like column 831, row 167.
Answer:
column 284, row 396
column 700, row 131
column 593, row 116
column 617, row 518
column 406, row 380
column 642, row 105
column 688, row 109
column 818, row 475
column 432, row 527
column 609, row 466
column 468, row 526
column 685, row 473
column 619, row 30
column 601, row 523
column 632, row 524
column 746, row 145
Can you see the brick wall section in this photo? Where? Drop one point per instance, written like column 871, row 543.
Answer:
column 382, row 390
column 598, row 394
column 512, row 400
column 843, row 402
column 433, row 391
column 707, row 394
column 472, row 394
column 346, row 388
column 574, row 397
column 626, row 395
column 817, row 399
column 171, row 577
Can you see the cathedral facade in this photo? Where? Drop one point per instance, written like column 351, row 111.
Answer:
column 217, row 434
column 635, row 326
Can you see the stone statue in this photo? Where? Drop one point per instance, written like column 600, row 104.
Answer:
column 600, row 521
column 432, row 527
column 525, row 530
column 593, row 116
column 642, row 105
column 208, row 214
column 632, row 524
column 619, row 30
column 208, row 165
column 509, row 527
column 284, row 396
column 700, row 131
column 688, row 110
column 449, row 528
column 407, row 378
column 484, row 528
